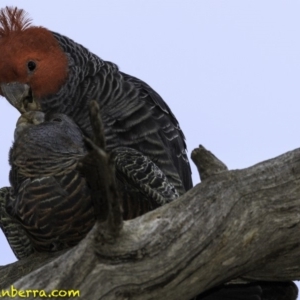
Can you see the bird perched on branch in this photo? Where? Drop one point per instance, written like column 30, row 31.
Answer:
column 49, row 197
column 44, row 70
column 50, row 206
column 54, row 196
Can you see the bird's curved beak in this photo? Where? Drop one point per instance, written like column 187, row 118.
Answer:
column 19, row 95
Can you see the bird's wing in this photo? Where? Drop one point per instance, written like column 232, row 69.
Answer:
column 55, row 211
column 144, row 186
column 169, row 130
column 141, row 184
column 13, row 231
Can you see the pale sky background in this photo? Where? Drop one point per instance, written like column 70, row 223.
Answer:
column 228, row 69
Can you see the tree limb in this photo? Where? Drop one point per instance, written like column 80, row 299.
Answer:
column 241, row 223
column 207, row 163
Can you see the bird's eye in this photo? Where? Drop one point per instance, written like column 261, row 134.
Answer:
column 31, row 65
column 57, row 120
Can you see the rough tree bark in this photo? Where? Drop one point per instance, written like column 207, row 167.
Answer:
column 235, row 224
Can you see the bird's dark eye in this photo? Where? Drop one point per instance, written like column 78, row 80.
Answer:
column 31, row 65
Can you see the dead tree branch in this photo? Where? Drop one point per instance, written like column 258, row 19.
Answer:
column 207, row 163
column 241, row 223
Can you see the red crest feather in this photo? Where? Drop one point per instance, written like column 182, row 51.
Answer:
column 13, row 19
column 21, row 42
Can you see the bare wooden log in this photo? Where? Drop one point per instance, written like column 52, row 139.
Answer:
column 241, row 223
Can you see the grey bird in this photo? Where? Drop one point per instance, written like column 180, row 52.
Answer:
column 50, row 196
column 53, row 73
column 52, row 201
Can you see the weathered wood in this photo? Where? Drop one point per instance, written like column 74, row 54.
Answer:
column 207, row 163
column 241, row 223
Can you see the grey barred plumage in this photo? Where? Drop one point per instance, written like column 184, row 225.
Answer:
column 50, row 196
column 15, row 234
column 52, row 73
column 134, row 115
column 142, row 184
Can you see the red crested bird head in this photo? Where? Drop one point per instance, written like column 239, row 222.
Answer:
column 31, row 59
